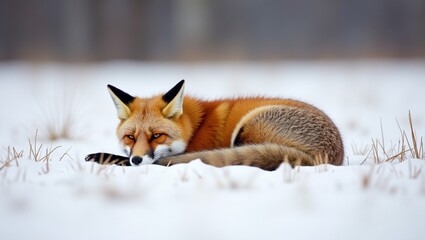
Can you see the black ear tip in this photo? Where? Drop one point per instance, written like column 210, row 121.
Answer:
column 123, row 96
column 114, row 89
column 169, row 96
column 180, row 84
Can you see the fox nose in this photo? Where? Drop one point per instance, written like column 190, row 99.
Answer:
column 136, row 160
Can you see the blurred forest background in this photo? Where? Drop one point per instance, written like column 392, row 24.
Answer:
column 192, row 30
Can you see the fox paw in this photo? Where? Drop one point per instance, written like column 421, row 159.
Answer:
column 108, row 159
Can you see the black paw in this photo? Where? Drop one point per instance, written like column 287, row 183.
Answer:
column 108, row 159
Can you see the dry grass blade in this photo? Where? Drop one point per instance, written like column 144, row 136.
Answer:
column 375, row 152
column 384, row 151
column 66, row 154
column 12, row 156
column 360, row 151
column 403, row 148
column 17, row 155
column 34, row 150
column 400, row 155
column 45, row 169
column 4, row 165
column 49, row 152
column 414, row 142
column 406, row 144
column 321, row 163
column 367, row 156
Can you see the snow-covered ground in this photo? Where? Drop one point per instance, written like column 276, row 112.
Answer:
column 67, row 198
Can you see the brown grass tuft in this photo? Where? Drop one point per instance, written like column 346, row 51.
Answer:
column 59, row 117
column 12, row 156
column 38, row 153
column 407, row 147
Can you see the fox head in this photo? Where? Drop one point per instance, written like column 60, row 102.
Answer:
column 151, row 128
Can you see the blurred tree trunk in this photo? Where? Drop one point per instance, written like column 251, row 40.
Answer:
column 84, row 30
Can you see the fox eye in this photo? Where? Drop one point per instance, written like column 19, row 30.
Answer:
column 131, row 137
column 156, row 135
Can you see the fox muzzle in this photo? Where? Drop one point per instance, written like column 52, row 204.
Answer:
column 137, row 160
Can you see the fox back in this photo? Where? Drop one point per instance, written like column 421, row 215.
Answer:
column 264, row 132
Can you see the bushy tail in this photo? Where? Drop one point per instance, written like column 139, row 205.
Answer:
column 265, row 156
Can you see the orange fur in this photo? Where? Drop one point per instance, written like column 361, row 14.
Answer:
column 221, row 116
column 267, row 131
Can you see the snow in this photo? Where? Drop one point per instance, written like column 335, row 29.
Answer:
column 67, row 198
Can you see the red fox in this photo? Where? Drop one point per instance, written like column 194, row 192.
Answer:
column 263, row 132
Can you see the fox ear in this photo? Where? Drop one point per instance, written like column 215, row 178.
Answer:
column 121, row 101
column 174, row 100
